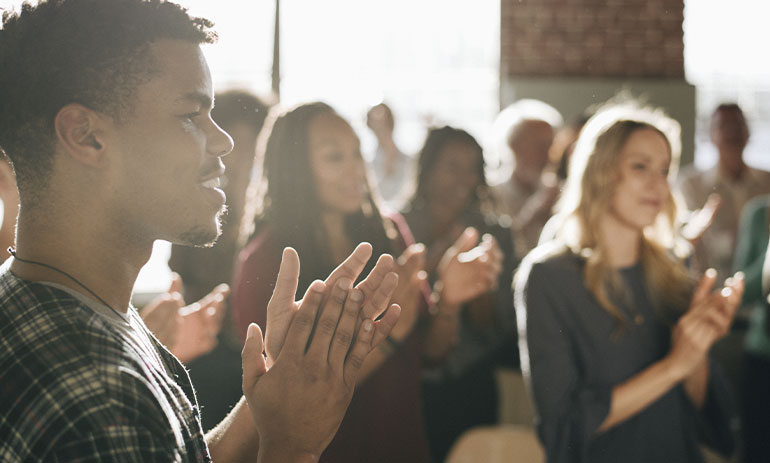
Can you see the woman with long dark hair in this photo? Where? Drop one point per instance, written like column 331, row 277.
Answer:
column 314, row 196
column 450, row 195
column 615, row 332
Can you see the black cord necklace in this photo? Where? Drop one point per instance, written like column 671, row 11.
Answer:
column 12, row 251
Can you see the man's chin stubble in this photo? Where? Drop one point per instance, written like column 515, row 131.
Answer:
column 203, row 237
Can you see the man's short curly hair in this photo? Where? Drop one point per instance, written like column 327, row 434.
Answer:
column 91, row 52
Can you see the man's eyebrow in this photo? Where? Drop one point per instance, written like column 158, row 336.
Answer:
column 206, row 101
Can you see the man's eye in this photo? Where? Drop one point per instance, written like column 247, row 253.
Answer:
column 191, row 116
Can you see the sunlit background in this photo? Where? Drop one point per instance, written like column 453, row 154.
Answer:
column 437, row 61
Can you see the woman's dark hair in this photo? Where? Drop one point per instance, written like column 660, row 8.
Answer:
column 429, row 156
column 288, row 203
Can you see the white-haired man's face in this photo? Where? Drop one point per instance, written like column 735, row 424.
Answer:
column 530, row 143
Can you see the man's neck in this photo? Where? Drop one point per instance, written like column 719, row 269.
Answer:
column 103, row 261
column 525, row 180
column 731, row 171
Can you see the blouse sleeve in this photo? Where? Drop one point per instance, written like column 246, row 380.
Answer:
column 253, row 282
column 717, row 421
column 569, row 410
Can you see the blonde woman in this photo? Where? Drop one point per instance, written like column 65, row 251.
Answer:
column 614, row 332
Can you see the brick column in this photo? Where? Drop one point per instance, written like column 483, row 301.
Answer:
column 573, row 53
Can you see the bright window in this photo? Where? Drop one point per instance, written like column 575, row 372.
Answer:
column 725, row 60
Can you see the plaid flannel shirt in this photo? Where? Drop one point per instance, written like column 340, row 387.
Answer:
column 73, row 389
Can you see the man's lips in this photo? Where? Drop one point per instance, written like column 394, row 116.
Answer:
column 211, row 183
column 211, row 178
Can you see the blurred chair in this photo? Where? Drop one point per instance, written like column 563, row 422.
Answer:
column 515, row 406
column 709, row 456
column 497, row 444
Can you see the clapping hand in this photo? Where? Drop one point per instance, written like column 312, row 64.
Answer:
column 410, row 268
column 298, row 393
column 282, row 306
column 708, row 319
column 468, row 268
column 188, row 331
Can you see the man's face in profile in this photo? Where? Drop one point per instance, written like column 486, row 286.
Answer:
column 167, row 183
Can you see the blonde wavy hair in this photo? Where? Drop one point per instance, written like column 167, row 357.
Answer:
column 592, row 180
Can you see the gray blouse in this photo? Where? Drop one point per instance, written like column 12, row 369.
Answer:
column 572, row 361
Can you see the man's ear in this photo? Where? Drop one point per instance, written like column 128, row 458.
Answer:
column 78, row 129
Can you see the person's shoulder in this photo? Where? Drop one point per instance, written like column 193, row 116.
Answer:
column 393, row 216
column 30, row 310
column 412, row 215
column 690, row 175
column 49, row 333
column 552, row 261
column 399, row 226
column 695, row 185
column 63, row 371
column 761, row 176
column 261, row 246
column 760, row 171
column 549, row 269
column 552, row 257
column 691, row 171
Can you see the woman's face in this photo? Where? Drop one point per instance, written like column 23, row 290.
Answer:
column 455, row 177
column 338, row 168
column 642, row 188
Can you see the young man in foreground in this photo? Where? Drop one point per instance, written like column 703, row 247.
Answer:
column 105, row 114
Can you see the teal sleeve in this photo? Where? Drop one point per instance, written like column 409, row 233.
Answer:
column 751, row 247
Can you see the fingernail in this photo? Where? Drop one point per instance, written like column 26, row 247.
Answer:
column 251, row 331
column 356, row 295
column 344, row 283
column 367, row 325
column 711, row 273
column 726, row 292
column 739, row 275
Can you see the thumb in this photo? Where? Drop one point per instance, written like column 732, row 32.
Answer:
column 176, row 284
column 252, row 360
column 466, row 241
